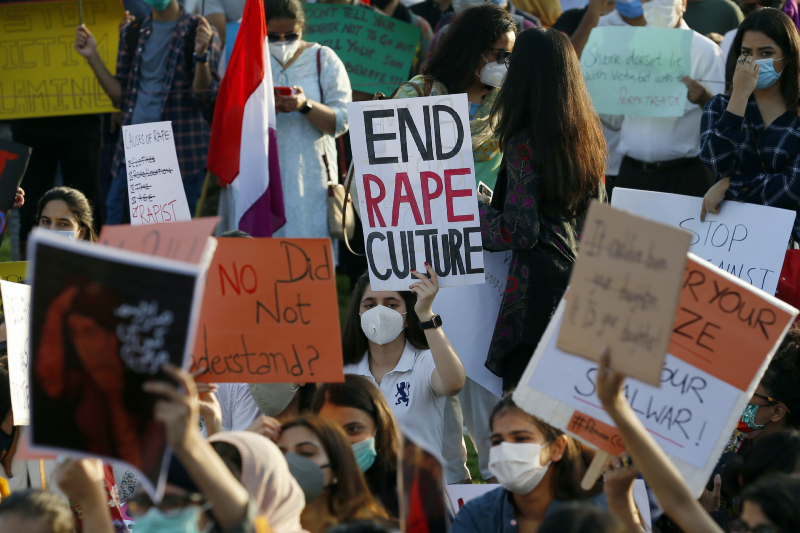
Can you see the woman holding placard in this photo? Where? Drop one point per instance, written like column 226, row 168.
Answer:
column 554, row 163
column 751, row 137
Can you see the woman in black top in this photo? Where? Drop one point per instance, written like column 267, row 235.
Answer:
column 360, row 408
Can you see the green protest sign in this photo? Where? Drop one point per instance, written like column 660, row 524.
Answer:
column 638, row 71
column 376, row 50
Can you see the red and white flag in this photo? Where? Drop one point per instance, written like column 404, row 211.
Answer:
column 244, row 149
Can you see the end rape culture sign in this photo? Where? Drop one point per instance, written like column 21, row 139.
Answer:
column 638, row 71
column 416, row 187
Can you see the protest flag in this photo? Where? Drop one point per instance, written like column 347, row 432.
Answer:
column 243, row 151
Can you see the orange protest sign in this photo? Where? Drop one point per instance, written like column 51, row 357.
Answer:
column 720, row 324
column 602, row 435
column 182, row 241
column 270, row 314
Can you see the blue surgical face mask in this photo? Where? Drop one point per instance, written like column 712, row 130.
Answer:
column 631, row 10
column 158, row 5
column 365, row 453
column 184, row 520
column 767, row 75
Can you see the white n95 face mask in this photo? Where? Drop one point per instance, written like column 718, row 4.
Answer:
column 517, row 466
column 662, row 13
column 494, row 74
column 382, row 325
column 284, row 51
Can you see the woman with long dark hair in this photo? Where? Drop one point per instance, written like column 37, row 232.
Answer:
column 345, row 497
column 360, row 409
column 751, row 137
column 66, row 209
column 395, row 340
column 554, row 162
column 470, row 58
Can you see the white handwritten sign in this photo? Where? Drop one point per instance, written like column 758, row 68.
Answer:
column 417, row 192
column 469, row 315
column 637, row 71
column 17, row 308
column 715, row 360
column 746, row 240
column 155, row 188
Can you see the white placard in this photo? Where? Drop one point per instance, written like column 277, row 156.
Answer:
column 469, row 315
column 17, row 309
column 746, row 240
column 155, row 187
column 642, row 502
column 417, row 191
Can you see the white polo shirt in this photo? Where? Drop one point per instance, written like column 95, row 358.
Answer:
column 407, row 388
column 654, row 139
column 239, row 409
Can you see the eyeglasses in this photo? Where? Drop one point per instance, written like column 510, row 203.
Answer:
column 275, row 37
column 739, row 526
column 140, row 504
column 771, row 400
column 503, row 55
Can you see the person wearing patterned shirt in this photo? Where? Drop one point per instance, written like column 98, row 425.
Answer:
column 751, row 137
column 158, row 78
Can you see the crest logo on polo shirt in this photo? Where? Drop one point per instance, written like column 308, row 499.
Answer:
column 403, row 389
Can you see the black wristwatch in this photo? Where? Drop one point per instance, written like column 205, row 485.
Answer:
column 434, row 323
column 203, row 58
column 306, row 109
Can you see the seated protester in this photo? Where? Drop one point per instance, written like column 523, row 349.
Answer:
column 539, row 467
column 774, row 453
column 750, row 138
column 662, row 153
column 581, row 518
column 166, row 71
column 397, row 344
column 346, row 497
column 35, row 511
column 771, row 504
column 358, row 406
column 66, row 209
column 257, row 463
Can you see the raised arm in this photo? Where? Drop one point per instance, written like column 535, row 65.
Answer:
column 86, row 46
column 449, row 376
column 589, row 22
column 179, row 411
column 664, row 479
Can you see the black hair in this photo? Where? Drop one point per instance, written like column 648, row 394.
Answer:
column 554, row 108
column 570, row 469
column 472, row 32
column 778, row 496
column 78, row 204
column 362, row 526
column 237, row 233
column 284, row 9
column 783, row 376
column 5, row 388
column 776, row 453
column 36, row 504
column 354, row 342
column 581, row 518
column 776, row 25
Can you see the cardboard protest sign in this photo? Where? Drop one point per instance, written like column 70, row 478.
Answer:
column 182, row 241
column 269, row 314
column 17, row 310
column 469, row 315
column 376, row 50
column 43, row 75
column 416, row 187
column 421, row 491
column 13, row 163
column 723, row 337
column 624, row 290
column 155, row 188
column 746, row 240
column 637, row 71
column 104, row 321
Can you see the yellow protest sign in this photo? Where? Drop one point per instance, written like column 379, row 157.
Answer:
column 43, row 75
